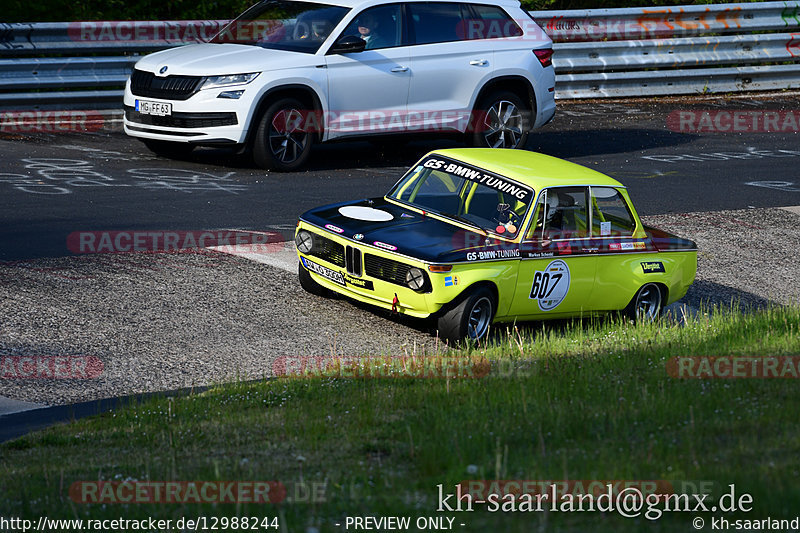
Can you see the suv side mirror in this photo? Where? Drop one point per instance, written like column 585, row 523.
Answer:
column 349, row 44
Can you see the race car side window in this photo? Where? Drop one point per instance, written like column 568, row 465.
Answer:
column 611, row 216
column 561, row 213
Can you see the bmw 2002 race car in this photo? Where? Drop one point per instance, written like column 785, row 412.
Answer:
column 477, row 236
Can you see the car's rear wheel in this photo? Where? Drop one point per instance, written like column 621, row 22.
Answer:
column 647, row 304
column 283, row 140
column 470, row 319
column 168, row 148
column 500, row 121
column 308, row 283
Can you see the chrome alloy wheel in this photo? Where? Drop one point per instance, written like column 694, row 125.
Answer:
column 648, row 303
column 287, row 139
column 503, row 125
column 480, row 316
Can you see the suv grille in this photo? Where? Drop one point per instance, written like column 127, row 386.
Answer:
column 385, row 269
column 328, row 250
column 169, row 87
column 182, row 120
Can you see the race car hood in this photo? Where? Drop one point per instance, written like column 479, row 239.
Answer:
column 411, row 233
column 220, row 59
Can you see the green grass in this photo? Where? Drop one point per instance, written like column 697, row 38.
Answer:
column 576, row 401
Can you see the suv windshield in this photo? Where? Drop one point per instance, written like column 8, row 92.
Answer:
column 283, row 25
column 467, row 194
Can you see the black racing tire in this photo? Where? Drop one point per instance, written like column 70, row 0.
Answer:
column 470, row 319
column 308, row 283
column 646, row 305
column 500, row 120
column 168, row 148
column 282, row 141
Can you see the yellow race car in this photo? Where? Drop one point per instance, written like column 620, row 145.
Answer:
column 477, row 236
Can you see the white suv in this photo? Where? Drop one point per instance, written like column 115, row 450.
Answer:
column 289, row 73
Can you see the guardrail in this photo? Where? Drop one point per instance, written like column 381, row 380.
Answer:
column 598, row 53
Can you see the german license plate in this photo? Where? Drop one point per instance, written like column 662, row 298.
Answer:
column 146, row 107
column 325, row 272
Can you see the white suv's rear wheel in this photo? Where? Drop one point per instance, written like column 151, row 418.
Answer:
column 500, row 121
column 283, row 141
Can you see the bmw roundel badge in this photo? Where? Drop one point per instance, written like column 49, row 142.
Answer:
column 163, row 70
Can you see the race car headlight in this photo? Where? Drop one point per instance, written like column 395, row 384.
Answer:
column 415, row 278
column 214, row 82
column 304, row 241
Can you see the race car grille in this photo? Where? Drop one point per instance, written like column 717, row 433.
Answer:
column 182, row 120
column 328, row 250
column 169, row 87
column 353, row 261
column 385, row 269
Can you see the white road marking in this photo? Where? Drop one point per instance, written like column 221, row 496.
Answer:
column 281, row 255
column 9, row 406
column 792, row 209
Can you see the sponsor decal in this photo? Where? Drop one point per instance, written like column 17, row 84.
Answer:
column 615, row 246
column 358, row 282
column 639, row 245
column 325, row 272
column 653, row 266
column 492, row 254
column 450, row 281
column 536, row 255
column 385, row 246
column 333, row 228
column 358, row 236
column 551, row 285
column 504, row 185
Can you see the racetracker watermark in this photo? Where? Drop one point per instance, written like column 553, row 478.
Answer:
column 98, row 242
column 35, row 121
column 143, row 31
column 50, row 367
column 734, row 367
column 393, row 121
column 419, row 367
column 733, row 121
column 177, row 492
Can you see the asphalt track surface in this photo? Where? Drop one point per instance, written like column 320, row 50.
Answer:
column 53, row 184
column 163, row 322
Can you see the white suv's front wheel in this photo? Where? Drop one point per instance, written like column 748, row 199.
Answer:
column 282, row 140
column 500, row 121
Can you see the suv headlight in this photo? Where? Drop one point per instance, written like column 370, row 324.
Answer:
column 415, row 278
column 214, row 82
column 304, row 241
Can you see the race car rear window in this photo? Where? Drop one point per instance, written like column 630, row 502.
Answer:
column 610, row 214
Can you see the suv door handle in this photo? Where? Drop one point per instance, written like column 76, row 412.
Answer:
column 479, row 62
column 400, row 69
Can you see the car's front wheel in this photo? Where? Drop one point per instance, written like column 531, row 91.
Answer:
column 470, row 319
column 283, row 138
column 500, row 120
column 647, row 304
column 308, row 283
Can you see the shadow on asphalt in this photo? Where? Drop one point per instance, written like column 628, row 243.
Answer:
column 403, row 151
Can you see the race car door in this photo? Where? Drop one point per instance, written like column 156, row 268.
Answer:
column 557, row 262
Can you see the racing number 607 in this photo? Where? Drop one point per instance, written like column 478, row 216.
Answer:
column 544, row 284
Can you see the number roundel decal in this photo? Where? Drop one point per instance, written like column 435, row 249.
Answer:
column 551, row 285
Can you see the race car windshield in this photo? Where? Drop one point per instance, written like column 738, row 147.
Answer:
column 467, row 194
column 283, row 25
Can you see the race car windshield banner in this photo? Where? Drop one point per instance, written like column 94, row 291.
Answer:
column 493, row 181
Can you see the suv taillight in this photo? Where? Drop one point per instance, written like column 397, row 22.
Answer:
column 545, row 56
